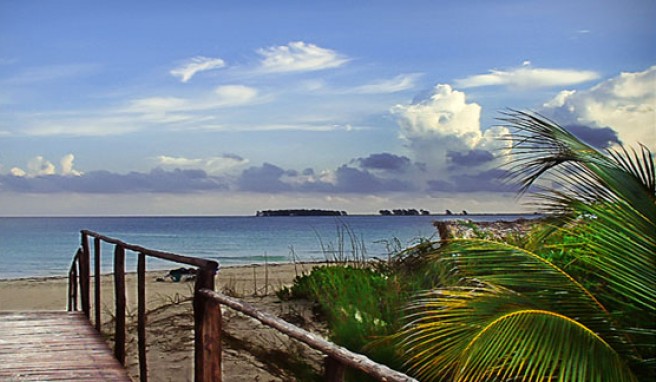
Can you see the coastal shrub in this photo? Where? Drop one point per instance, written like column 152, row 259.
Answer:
column 360, row 305
column 574, row 301
column 348, row 248
column 363, row 305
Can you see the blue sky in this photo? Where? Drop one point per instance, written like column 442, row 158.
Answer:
column 225, row 108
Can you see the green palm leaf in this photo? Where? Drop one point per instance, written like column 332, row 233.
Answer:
column 487, row 333
column 516, row 316
column 537, row 351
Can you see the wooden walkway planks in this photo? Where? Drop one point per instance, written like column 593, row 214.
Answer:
column 54, row 346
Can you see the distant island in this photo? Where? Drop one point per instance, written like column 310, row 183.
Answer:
column 300, row 213
column 404, row 212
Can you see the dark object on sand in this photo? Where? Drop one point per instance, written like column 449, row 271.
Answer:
column 180, row 274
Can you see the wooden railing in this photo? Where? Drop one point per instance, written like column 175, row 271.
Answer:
column 207, row 313
column 207, row 347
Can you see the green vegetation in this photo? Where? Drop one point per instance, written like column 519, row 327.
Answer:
column 362, row 302
column 572, row 300
column 575, row 300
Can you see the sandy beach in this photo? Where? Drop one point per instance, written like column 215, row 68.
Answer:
column 251, row 351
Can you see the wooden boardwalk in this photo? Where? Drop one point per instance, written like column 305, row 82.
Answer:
column 54, row 346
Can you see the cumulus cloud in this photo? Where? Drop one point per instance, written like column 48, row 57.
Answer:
column 527, row 77
column 626, row 104
column 17, row 171
column 67, row 165
column 444, row 112
column 212, row 165
column 399, row 83
column 443, row 126
column 39, row 166
column 196, row 65
column 299, row 56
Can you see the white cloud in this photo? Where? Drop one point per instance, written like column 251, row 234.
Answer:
column 528, row 77
column 158, row 104
column 626, row 103
column 16, row 171
column 299, row 56
column 143, row 113
column 222, row 96
column 233, row 95
column 40, row 166
column 444, row 122
column 212, row 165
column 445, row 112
column 66, row 163
column 399, row 83
column 195, row 65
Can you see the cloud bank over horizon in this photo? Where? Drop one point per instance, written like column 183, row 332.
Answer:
column 448, row 151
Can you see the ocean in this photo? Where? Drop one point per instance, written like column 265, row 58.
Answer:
column 44, row 247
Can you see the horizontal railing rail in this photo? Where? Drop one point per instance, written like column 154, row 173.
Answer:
column 207, row 313
column 339, row 357
column 207, row 351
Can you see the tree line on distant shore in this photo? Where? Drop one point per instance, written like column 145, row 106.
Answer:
column 403, row 212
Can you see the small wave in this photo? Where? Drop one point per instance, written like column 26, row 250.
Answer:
column 251, row 259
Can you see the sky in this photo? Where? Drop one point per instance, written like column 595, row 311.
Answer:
column 230, row 107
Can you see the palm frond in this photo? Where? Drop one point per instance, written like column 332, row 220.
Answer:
column 515, row 315
column 491, row 333
column 536, row 351
column 617, row 190
column 538, row 280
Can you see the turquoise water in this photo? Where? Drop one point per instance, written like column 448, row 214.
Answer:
column 45, row 246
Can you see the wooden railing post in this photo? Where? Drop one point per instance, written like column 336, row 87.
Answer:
column 141, row 316
column 207, row 329
column 96, row 276
column 119, row 297
column 333, row 370
column 72, row 284
column 207, row 311
column 85, row 273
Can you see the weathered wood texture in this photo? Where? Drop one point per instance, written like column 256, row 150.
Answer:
column 54, row 346
column 96, row 279
column 337, row 354
column 207, row 313
column 120, row 304
column 207, row 316
column 141, row 317
column 207, row 330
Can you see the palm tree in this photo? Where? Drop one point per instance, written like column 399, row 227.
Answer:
column 512, row 314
